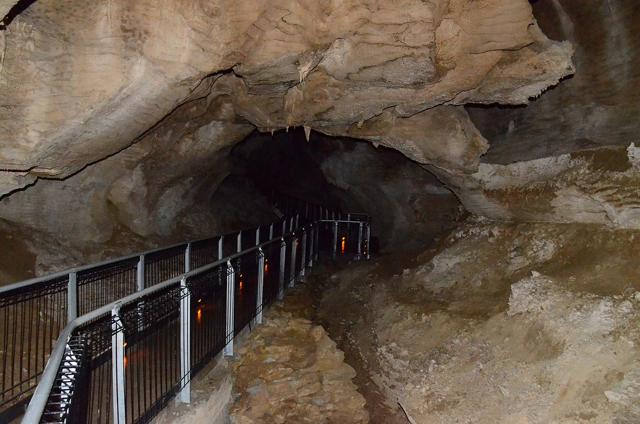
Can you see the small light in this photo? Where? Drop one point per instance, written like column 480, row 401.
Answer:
column 199, row 315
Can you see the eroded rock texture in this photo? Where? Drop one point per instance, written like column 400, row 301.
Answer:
column 134, row 105
column 595, row 107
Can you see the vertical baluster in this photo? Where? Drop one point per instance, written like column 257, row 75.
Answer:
column 358, row 255
column 303, row 251
column 185, row 341
column 283, row 258
column 335, row 240
column 117, row 367
column 72, row 297
column 187, row 258
column 292, row 268
column 228, row 348
column 260, row 286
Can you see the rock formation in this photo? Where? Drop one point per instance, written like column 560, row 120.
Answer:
column 124, row 112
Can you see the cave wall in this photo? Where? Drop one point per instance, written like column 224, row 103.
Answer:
column 570, row 155
column 83, row 81
column 117, row 116
column 597, row 106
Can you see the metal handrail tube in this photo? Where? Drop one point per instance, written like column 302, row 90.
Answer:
column 45, row 278
column 41, row 394
column 43, row 390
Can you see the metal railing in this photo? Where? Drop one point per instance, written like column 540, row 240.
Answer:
column 34, row 312
column 156, row 337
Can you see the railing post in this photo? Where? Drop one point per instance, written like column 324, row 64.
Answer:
column 368, row 241
column 359, row 241
column 220, row 244
column 348, row 217
column 271, row 231
column 311, row 243
column 260, row 286
column 257, row 236
column 187, row 258
column 228, row 348
column 185, row 341
column 140, row 274
column 239, row 242
column 291, row 225
column 317, row 243
column 284, row 227
column 292, row 268
column 72, row 297
column 303, row 259
column 281, row 275
column 335, row 239
column 117, row 367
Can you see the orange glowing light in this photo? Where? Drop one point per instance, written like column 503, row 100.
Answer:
column 199, row 315
column 343, row 245
column 266, row 266
column 241, row 284
column 126, row 361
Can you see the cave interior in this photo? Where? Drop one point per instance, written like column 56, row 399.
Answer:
column 491, row 143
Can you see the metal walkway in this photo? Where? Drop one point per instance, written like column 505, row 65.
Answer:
column 132, row 332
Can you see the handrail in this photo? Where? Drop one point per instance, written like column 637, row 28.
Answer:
column 47, row 379
column 44, row 278
column 41, row 394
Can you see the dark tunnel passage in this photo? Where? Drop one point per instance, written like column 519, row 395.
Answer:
column 408, row 205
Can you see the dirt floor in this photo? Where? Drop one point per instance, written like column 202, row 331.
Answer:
column 530, row 323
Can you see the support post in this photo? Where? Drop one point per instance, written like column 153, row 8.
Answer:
column 317, row 243
column 260, row 286
column 187, row 258
column 185, row 341
column 117, row 367
column 283, row 259
column 292, row 267
column 140, row 274
column 239, row 242
column 359, row 255
column 312, row 233
column 368, row 241
column 284, row 227
column 291, row 225
column 335, row 239
column 297, row 221
column 271, row 231
column 72, row 297
column 257, row 236
column 228, row 348
column 140, row 287
column 303, row 251
column 220, row 243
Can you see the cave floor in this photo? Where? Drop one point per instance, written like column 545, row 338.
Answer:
column 495, row 323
